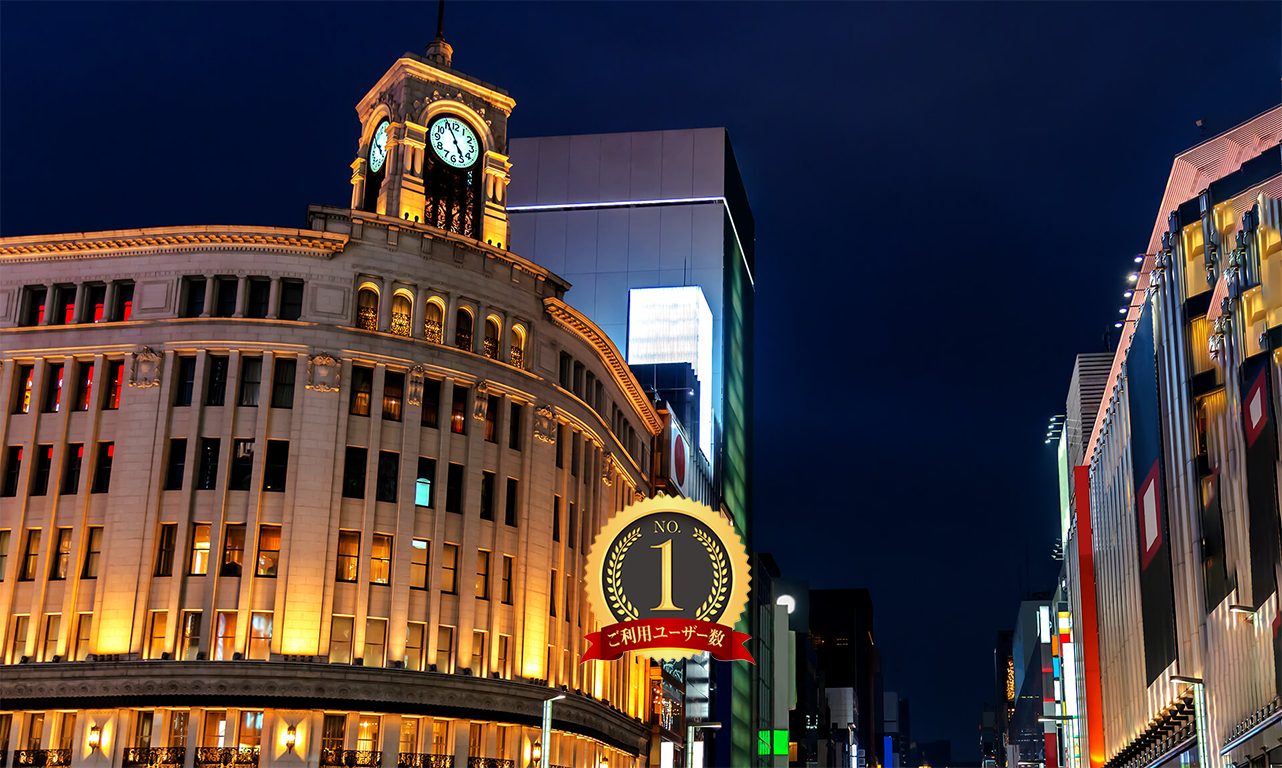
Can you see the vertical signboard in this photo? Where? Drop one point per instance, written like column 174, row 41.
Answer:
column 1261, row 475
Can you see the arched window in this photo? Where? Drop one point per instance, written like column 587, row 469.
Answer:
column 492, row 335
column 463, row 330
column 432, row 325
column 402, row 311
column 518, row 346
column 367, row 309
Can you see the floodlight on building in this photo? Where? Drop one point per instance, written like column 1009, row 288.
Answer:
column 1133, row 277
column 1128, row 294
column 1139, row 259
column 1117, row 325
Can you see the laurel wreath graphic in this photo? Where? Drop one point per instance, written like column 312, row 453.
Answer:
column 719, row 576
column 614, row 565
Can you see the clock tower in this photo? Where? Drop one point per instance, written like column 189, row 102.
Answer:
column 433, row 147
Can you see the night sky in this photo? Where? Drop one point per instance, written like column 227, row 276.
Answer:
column 947, row 198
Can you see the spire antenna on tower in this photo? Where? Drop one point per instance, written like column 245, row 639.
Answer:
column 440, row 20
column 438, row 50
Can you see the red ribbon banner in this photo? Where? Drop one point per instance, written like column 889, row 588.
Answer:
column 681, row 634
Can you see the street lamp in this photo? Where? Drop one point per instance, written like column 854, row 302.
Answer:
column 1199, row 713
column 546, row 740
column 1056, row 718
column 690, row 729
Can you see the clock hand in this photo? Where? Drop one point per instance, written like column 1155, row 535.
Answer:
column 455, row 138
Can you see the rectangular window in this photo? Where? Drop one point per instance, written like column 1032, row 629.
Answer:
column 268, row 551
column 492, row 419
column 251, row 375
column 36, row 297
column 61, row 556
column 569, row 534
column 415, row 636
column 454, row 488
column 367, row 734
column 501, row 662
column 30, row 555
column 12, row 468
column 423, row 485
column 575, row 442
column 393, row 395
column 4, row 553
column 444, row 648
column 53, row 623
column 333, row 732
column 18, row 643
column 178, row 729
column 44, row 464
column 478, row 653
column 115, row 382
column 440, row 734
column 233, row 551
column 409, row 735
column 419, row 549
column 156, row 638
column 362, row 387
column 93, row 553
column 165, row 549
column 380, row 559
column 22, row 396
column 458, row 411
column 449, row 568
column 84, row 384
column 482, row 575
column 487, row 495
column 225, row 296
column 507, row 580
column 242, row 465
column 556, row 518
column 80, row 646
column 260, row 635
column 260, row 290
column 567, row 363
column 66, row 314
column 340, row 640
column 250, row 737
column 375, row 642
column 216, row 734
column 102, row 470
column 552, row 586
column 225, row 636
column 53, row 388
column 276, row 466
column 291, row 299
column 194, row 306
column 191, row 635
column 431, row 403
column 568, row 595
column 513, row 497
column 177, row 464
column 200, row 549
column 389, row 464
column 560, row 446
column 184, row 381
column 283, row 382
column 97, row 296
column 514, row 427
column 124, row 308
column 349, row 552
column 208, row 479
column 71, row 474
column 354, row 472
column 217, row 380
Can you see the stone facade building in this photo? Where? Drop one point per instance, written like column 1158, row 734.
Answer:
column 315, row 497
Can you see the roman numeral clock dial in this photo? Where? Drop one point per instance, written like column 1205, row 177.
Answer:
column 454, row 142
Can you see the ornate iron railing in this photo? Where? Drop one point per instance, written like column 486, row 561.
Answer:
column 491, row 347
column 367, row 318
column 41, row 757
column 351, row 758
column 463, row 340
column 420, row 760
column 226, row 756
column 401, row 323
column 432, row 332
column 518, row 356
column 490, row 762
column 149, row 756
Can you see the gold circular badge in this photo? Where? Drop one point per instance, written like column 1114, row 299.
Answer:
column 668, row 560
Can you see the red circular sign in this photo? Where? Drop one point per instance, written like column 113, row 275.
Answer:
column 679, row 460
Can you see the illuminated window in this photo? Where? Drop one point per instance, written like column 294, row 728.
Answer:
column 402, row 311
column 333, row 733
column 260, row 635
column 423, row 484
column 84, row 384
column 409, row 735
column 419, row 549
column 449, row 568
column 225, row 636
column 97, row 296
column 52, row 623
column 268, row 550
column 61, row 556
column 233, row 551
column 156, row 638
column 415, row 637
column 507, row 580
column 458, row 411
column 30, row 556
column 463, row 329
column 393, row 395
column 501, row 662
column 492, row 336
column 191, row 635
column 362, row 389
column 115, row 382
column 444, row 648
column 216, row 735
column 478, row 653
column 44, row 464
column 349, row 550
column 251, row 732
column 517, row 350
column 71, row 473
column 367, row 309
column 178, row 729
column 482, row 575
column 340, row 640
column 432, row 325
column 168, row 541
column 375, row 642
column 102, row 471
column 200, row 549
column 53, row 388
column 380, row 560
column 22, row 400
column 492, row 419
column 367, row 734
column 80, row 645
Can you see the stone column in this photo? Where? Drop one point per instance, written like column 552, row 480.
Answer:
column 478, row 330
column 273, row 299
column 51, row 291
column 82, row 292
column 242, row 284
column 420, row 313
column 109, row 302
column 385, row 306
column 210, row 283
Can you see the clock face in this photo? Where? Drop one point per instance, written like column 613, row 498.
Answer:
column 453, row 141
column 378, row 149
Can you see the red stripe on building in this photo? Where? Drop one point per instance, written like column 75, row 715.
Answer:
column 1090, row 624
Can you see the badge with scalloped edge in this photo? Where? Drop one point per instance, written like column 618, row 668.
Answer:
column 668, row 578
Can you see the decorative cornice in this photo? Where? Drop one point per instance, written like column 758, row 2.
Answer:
column 169, row 239
column 309, row 686
column 572, row 320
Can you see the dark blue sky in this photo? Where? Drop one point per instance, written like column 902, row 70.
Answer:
column 950, row 221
